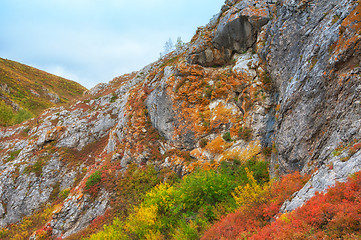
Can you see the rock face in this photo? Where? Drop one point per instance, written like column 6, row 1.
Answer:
column 260, row 77
column 318, row 95
column 75, row 215
column 312, row 50
column 233, row 30
column 159, row 105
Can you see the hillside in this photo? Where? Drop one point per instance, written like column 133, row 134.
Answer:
column 26, row 91
column 250, row 131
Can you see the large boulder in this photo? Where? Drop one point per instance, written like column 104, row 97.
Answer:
column 234, row 30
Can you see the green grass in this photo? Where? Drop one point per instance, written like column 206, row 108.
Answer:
column 13, row 155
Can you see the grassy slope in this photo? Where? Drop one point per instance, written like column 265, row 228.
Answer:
column 20, row 80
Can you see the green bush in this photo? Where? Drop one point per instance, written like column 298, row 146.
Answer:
column 95, row 178
column 203, row 189
column 227, row 137
column 237, row 171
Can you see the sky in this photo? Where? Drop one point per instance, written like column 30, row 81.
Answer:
column 93, row 41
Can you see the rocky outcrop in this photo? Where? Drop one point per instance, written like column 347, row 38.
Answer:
column 34, row 172
column 25, row 188
column 317, row 79
column 160, row 107
column 77, row 212
column 233, row 30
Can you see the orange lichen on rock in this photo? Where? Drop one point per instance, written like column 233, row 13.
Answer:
column 216, row 146
column 353, row 20
column 186, row 70
column 252, row 151
column 255, row 12
column 205, row 165
column 350, row 31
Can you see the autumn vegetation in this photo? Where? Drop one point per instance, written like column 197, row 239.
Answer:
column 234, row 200
column 185, row 208
column 31, row 89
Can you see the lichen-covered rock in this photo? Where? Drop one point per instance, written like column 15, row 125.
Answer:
column 318, row 96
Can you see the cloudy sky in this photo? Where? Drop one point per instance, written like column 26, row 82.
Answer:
column 92, row 41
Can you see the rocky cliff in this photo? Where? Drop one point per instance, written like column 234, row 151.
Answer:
column 277, row 81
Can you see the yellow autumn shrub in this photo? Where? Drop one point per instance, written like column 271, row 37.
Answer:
column 111, row 232
column 252, row 192
column 144, row 221
column 141, row 220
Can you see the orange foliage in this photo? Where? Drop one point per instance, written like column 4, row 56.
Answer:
column 205, row 165
column 216, row 146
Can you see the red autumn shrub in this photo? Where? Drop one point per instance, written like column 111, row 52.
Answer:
column 333, row 215
column 252, row 217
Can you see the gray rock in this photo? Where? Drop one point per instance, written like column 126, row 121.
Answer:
column 324, row 178
column 234, row 32
column 76, row 215
column 235, row 29
column 315, row 109
column 246, row 64
column 28, row 192
column 162, row 115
